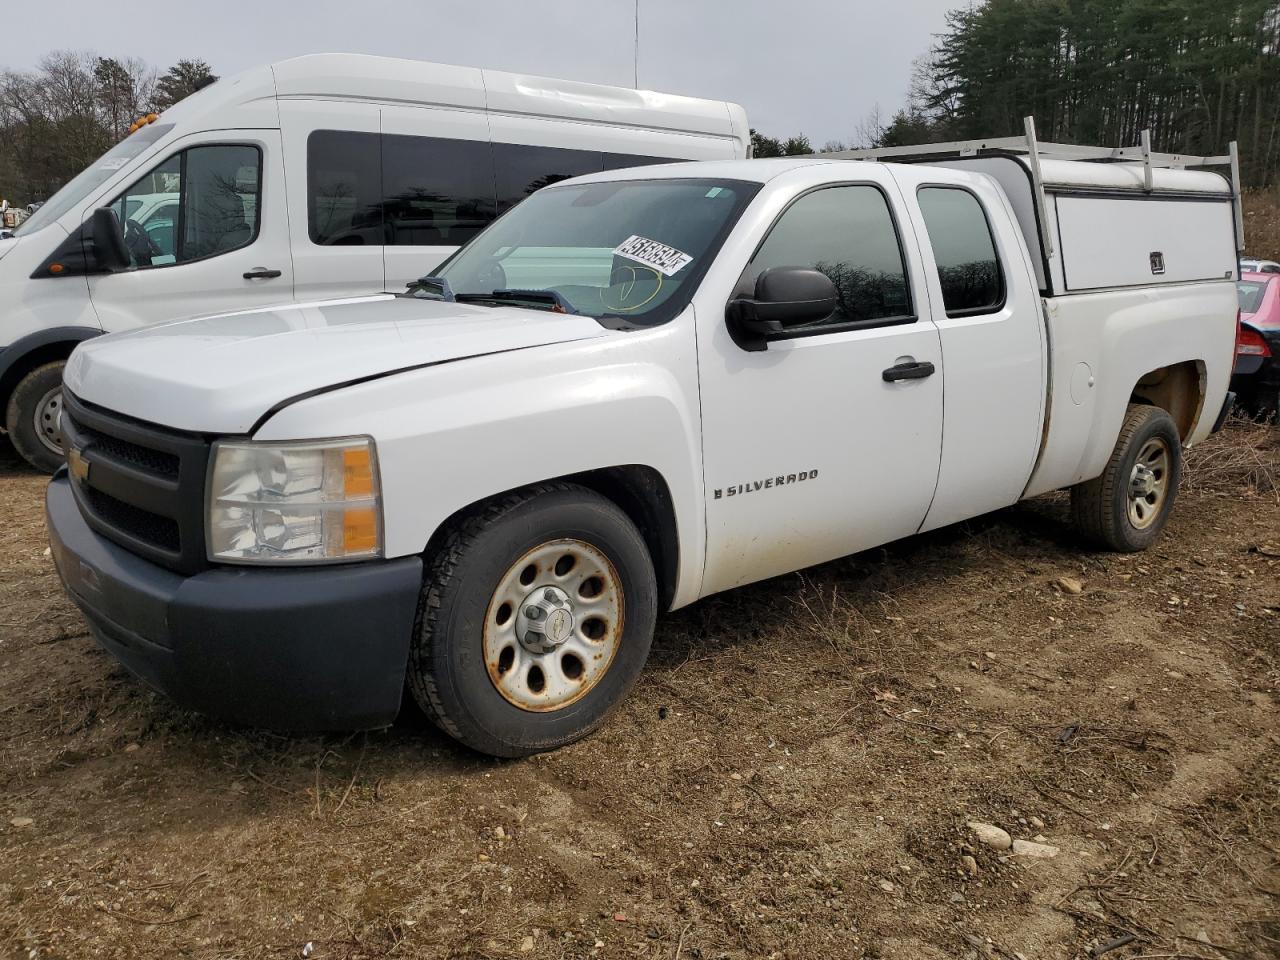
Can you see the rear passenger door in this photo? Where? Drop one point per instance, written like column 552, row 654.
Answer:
column 987, row 309
column 809, row 452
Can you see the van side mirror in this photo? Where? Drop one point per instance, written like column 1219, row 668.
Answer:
column 784, row 297
column 108, row 241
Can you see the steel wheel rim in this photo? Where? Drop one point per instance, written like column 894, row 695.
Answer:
column 1148, row 483
column 546, row 661
column 45, row 420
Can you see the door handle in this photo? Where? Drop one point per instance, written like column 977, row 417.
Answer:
column 261, row 273
column 910, row 370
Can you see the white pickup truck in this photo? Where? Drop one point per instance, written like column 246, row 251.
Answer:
column 635, row 389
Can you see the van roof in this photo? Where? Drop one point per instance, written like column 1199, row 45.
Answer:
column 419, row 83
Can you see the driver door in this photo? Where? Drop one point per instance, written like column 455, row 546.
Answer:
column 813, row 449
column 207, row 232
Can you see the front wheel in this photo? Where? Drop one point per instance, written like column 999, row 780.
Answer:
column 32, row 417
column 1127, row 507
column 535, row 620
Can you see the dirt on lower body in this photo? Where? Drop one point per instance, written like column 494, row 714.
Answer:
column 793, row 776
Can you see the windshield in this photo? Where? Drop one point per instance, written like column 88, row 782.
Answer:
column 1250, row 293
column 632, row 250
column 91, row 176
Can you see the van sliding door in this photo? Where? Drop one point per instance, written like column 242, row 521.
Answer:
column 335, row 194
column 437, row 187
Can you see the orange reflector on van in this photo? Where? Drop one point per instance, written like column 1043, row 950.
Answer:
column 143, row 121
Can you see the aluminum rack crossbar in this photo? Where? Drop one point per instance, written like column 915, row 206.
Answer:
column 1035, row 151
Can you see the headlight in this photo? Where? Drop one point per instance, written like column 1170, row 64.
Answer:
column 305, row 502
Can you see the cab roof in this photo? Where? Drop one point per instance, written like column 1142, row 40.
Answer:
column 751, row 171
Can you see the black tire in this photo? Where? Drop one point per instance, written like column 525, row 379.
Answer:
column 448, row 675
column 27, row 397
column 1101, row 507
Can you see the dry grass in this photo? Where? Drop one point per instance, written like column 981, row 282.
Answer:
column 1262, row 222
column 1242, row 462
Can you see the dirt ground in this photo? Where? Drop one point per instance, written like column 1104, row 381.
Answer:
column 791, row 778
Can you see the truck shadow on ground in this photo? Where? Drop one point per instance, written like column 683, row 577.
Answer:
column 810, row 611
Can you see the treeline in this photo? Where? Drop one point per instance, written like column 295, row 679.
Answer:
column 58, row 118
column 1197, row 73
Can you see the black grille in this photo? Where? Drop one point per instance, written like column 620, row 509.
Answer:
column 138, row 484
column 135, row 521
column 152, row 461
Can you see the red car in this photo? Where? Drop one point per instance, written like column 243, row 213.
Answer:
column 1256, row 379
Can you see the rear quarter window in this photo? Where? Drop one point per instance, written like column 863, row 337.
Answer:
column 969, row 268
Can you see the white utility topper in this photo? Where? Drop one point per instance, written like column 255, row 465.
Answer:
column 635, row 389
column 322, row 176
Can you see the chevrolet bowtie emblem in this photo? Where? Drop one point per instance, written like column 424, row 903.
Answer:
column 77, row 464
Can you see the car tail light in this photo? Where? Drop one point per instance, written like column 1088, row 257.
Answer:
column 1249, row 343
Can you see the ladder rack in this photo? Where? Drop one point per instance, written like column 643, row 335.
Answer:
column 1035, row 151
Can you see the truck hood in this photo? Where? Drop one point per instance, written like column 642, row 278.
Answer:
column 220, row 374
column 7, row 244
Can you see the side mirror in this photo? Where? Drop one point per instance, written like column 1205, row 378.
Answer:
column 784, row 297
column 108, row 241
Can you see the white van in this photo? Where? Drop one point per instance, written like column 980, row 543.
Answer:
column 320, row 177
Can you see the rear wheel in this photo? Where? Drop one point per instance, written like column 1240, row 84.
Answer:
column 32, row 417
column 535, row 620
column 1127, row 507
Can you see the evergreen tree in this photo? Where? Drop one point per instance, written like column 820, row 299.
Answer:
column 181, row 80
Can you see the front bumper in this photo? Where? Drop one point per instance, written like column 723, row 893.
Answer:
column 317, row 648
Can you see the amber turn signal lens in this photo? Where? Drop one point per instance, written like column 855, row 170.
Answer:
column 56, row 268
column 357, row 473
column 360, row 530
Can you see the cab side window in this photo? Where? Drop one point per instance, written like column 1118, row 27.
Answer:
column 848, row 234
column 968, row 267
column 199, row 203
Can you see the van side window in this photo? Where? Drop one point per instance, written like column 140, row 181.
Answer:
column 344, row 188
column 620, row 161
column 968, row 267
column 520, row 169
column 435, row 191
column 848, row 234
column 199, row 203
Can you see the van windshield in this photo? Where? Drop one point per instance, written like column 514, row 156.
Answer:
column 632, row 250
column 93, row 175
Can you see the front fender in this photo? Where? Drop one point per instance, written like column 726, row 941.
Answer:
column 12, row 356
column 452, row 435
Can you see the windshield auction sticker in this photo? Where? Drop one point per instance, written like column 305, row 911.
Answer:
column 666, row 260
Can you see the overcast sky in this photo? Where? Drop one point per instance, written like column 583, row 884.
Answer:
column 816, row 67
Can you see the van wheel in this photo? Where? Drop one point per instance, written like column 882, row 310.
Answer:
column 535, row 620
column 32, row 417
column 1127, row 507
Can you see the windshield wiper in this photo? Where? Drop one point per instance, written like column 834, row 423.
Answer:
column 545, row 299
column 553, row 299
column 437, row 285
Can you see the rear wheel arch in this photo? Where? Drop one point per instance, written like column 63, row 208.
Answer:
column 1178, row 389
